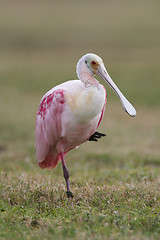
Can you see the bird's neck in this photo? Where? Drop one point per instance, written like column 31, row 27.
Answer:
column 89, row 81
column 86, row 77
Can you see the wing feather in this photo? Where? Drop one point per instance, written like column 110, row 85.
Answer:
column 103, row 109
column 48, row 124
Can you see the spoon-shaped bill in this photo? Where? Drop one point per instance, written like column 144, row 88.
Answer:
column 102, row 72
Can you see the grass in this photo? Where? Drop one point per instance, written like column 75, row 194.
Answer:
column 109, row 202
column 115, row 182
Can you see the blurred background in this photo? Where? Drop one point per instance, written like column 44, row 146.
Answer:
column 40, row 44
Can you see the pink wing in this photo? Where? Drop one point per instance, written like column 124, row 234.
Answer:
column 103, row 109
column 48, row 128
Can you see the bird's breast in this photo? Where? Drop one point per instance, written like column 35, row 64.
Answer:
column 86, row 103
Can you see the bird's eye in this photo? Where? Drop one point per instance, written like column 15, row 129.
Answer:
column 86, row 61
column 93, row 63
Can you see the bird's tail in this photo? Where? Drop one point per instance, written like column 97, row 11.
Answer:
column 51, row 160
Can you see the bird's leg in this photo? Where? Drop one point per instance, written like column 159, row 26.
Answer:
column 95, row 136
column 66, row 176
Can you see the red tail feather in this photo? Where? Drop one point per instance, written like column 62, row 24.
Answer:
column 50, row 161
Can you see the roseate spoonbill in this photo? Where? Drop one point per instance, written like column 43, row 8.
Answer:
column 70, row 113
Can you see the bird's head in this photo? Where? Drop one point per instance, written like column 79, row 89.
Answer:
column 94, row 65
column 93, row 62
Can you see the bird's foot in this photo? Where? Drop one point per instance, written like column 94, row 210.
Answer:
column 69, row 194
column 96, row 136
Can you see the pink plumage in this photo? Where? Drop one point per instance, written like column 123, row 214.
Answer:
column 70, row 113
column 50, row 126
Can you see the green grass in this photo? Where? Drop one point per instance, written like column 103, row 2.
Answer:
column 108, row 201
column 115, row 182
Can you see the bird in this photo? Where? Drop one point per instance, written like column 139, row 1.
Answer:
column 70, row 113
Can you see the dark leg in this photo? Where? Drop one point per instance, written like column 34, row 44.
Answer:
column 66, row 176
column 96, row 136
